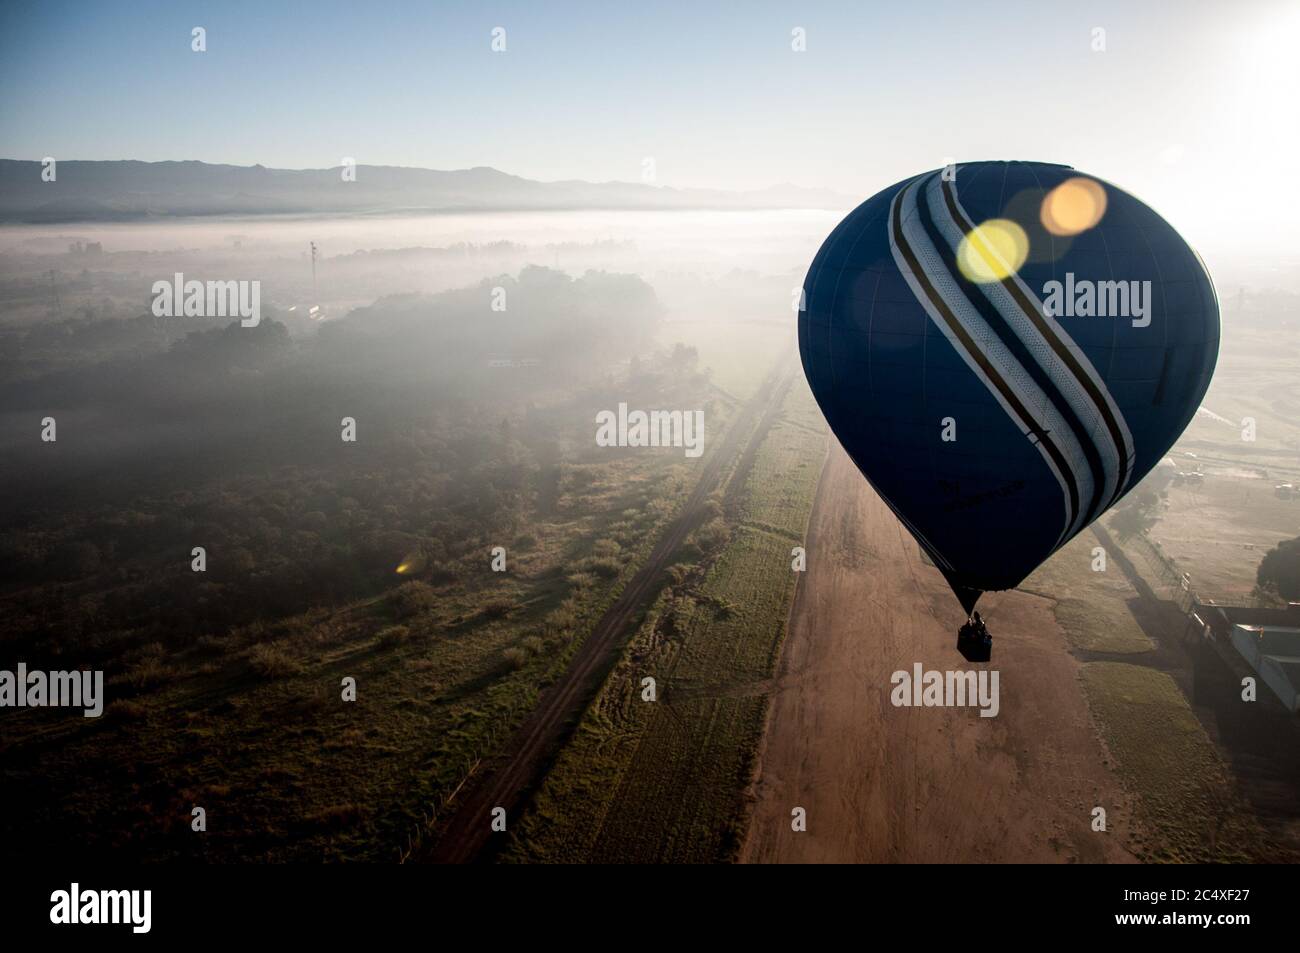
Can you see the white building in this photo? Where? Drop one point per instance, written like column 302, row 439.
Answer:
column 1273, row 652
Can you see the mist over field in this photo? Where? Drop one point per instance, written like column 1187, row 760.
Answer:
column 403, row 318
column 475, row 429
column 458, row 443
column 474, row 352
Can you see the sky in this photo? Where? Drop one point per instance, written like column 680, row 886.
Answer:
column 1191, row 105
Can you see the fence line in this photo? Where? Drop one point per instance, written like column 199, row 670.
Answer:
column 1179, row 588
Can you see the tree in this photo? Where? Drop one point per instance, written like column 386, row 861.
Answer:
column 1279, row 570
column 1136, row 514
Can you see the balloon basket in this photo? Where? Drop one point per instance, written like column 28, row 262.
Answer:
column 973, row 645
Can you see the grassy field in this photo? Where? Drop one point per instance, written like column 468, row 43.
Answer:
column 250, row 724
column 663, row 780
column 1092, row 607
column 1185, row 797
column 1187, row 810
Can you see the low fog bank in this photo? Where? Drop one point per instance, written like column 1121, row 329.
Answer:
column 233, row 398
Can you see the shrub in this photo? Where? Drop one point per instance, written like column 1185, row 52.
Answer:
column 393, row 635
column 413, row 598
column 607, row 567
column 497, row 609
column 124, row 709
column 272, row 660
column 1135, row 515
column 713, row 535
column 564, row 615
column 724, row 608
column 148, row 673
column 211, row 644
column 678, row 573
column 581, row 580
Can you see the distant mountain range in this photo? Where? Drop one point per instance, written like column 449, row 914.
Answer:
column 130, row 190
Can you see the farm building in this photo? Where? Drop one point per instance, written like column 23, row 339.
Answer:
column 1268, row 640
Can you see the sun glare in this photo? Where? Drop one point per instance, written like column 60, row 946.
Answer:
column 1074, row 206
column 992, row 251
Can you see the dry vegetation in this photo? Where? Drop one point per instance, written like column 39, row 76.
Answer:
column 1185, row 796
column 1092, row 607
column 664, row 780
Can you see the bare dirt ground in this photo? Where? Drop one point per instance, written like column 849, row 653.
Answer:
column 886, row 784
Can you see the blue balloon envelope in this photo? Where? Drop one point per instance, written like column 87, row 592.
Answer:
column 1005, row 349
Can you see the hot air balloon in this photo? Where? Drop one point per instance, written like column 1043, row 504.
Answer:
column 1005, row 349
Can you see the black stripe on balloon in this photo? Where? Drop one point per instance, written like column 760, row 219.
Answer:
column 1019, row 351
column 979, row 358
column 1063, row 352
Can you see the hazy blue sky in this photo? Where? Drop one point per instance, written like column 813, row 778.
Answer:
column 1192, row 105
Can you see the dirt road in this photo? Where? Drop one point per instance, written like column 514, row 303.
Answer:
column 466, row 836
column 887, row 784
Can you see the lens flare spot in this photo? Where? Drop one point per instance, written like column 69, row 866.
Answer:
column 413, row 563
column 992, row 251
column 1074, row 206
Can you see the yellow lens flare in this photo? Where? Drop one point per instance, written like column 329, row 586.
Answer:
column 992, row 251
column 1074, row 206
column 413, row 563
